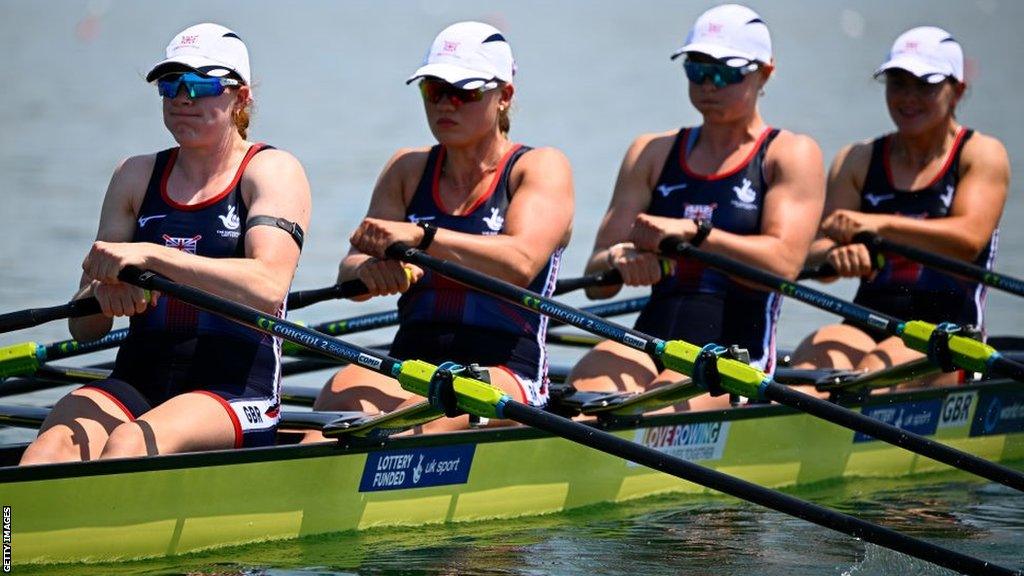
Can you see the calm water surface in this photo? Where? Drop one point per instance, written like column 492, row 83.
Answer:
column 593, row 74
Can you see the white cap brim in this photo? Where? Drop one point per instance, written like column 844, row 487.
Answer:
column 198, row 63
column 454, row 75
column 715, row 51
column 926, row 71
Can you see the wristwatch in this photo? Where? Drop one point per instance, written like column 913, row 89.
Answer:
column 429, row 231
column 704, row 227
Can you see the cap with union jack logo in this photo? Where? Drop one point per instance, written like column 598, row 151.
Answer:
column 928, row 52
column 731, row 33
column 208, row 48
column 468, row 55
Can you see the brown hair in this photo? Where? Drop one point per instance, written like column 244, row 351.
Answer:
column 503, row 120
column 240, row 116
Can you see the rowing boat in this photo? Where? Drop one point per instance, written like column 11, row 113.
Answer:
column 167, row 505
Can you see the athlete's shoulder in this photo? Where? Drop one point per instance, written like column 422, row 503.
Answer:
column 982, row 147
column 132, row 174
column 273, row 159
column 789, row 146
column 543, row 156
column 408, row 161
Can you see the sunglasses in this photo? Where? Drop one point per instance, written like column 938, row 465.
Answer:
column 721, row 75
column 196, row 86
column 435, row 90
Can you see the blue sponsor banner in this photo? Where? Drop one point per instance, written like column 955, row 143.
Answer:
column 918, row 417
column 998, row 413
column 417, row 468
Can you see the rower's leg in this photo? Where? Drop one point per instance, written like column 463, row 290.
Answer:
column 354, row 388
column 838, row 346
column 185, row 423
column 892, row 352
column 611, row 366
column 76, row 429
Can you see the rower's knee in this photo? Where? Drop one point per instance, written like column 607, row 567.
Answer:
column 126, row 441
column 52, row 446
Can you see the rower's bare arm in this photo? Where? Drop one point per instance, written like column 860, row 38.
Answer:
column 976, row 209
column 277, row 187
column 845, row 181
column 538, row 222
column 117, row 224
column 631, row 197
column 391, row 195
column 792, row 209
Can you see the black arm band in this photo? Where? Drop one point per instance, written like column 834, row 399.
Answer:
column 704, row 227
column 429, row 231
column 290, row 227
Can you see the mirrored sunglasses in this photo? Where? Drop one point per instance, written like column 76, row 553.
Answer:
column 434, row 90
column 721, row 75
column 195, row 86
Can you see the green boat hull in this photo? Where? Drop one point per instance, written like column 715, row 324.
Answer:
column 170, row 505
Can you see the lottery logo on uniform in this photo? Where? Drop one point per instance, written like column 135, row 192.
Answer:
column 184, row 244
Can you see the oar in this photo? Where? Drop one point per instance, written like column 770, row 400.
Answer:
column 967, row 353
column 711, row 369
column 966, row 270
column 88, row 306
column 486, row 401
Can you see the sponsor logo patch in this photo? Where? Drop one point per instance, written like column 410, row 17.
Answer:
column 417, row 468
column 696, row 441
column 956, row 409
column 918, row 417
column 998, row 413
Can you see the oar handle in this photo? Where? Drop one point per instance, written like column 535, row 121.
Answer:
column 36, row 316
column 605, row 278
column 967, row 270
column 302, row 298
column 823, row 270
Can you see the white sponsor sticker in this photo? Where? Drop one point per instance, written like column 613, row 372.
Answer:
column 693, row 442
column 369, row 361
column 957, row 409
column 633, row 341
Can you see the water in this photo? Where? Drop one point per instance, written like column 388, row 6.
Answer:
column 593, row 74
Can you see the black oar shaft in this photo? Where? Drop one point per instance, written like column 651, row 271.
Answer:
column 36, row 316
column 301, row 298
column 893, row 435
column 654, row 346
column 854, row 312
column 960, row 268
column 748, row 491
column 257, row 320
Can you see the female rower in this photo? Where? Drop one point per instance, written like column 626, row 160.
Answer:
column 932, row 184
column 474, row 198
column 219, row 213
column 732, row 185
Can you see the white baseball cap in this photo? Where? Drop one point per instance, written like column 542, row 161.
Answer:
column 468, row 55
column 208, row 48
column 732, row 33
column 928, row 52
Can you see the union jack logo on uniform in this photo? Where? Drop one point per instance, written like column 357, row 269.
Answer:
column 184, row 244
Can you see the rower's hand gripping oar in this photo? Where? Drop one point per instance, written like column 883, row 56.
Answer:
column 941, row 343
column 711, row 368
column 967, row 270
column 452, row 392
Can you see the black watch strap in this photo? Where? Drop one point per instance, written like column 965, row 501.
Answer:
column 704, row 227
column 429, row 231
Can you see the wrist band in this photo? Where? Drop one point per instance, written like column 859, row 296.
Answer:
column 704, row 227
column 429, row 231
